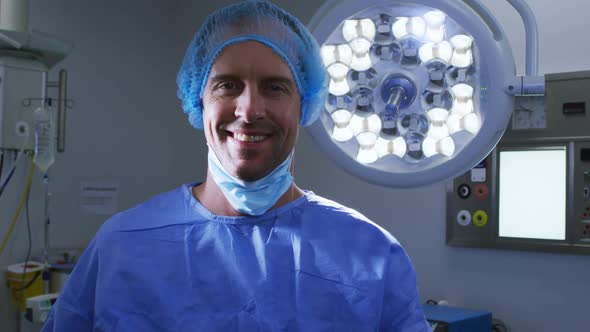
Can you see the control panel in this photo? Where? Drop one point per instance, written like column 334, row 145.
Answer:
column 532, row 192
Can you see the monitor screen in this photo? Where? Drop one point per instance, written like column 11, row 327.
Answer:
column 532, row 193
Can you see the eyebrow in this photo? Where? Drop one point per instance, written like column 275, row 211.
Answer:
column 231, row 77
column 222, row 77
column 280, row 79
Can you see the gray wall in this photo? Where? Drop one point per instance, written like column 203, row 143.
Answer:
column 127, row 128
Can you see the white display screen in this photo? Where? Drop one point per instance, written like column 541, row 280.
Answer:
column 532, row 194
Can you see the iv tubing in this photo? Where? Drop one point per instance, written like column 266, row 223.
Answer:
column 20, row 207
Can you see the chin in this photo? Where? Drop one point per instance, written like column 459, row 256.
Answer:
column 249, row 175
column 252, row 169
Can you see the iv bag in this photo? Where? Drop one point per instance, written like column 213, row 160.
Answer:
column 44, row 139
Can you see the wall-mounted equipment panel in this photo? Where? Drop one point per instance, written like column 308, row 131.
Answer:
column 533, row 191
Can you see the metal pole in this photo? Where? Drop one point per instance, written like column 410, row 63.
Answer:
column 61, row 110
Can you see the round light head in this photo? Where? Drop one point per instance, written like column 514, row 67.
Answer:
column 454, row 113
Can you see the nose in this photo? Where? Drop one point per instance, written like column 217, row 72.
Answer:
column 250, row 105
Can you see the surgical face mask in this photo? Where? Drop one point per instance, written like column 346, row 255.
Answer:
column 256, row 197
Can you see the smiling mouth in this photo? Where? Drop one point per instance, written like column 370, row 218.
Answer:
column 248, row 138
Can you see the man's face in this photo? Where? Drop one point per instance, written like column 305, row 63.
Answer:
column 251, row 110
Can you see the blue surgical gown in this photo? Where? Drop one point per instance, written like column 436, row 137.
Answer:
column 169, row 264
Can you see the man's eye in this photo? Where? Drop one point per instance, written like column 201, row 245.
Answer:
column 277, row 88
column 227, row 86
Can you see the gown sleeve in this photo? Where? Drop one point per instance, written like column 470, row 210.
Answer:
column 74, row 308
column 402, row 309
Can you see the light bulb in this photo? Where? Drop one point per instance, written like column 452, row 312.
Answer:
column 462, row 55
column 434, row 18
column 442, row 51
column 342, row 134
column 382, row 146
column 365, row 124
column 361, row 63
column 409, row 26
column 462, row 42
column 360, row 46
column 361, row 59
column 385, row 147
column 337, row 71
column 462, row 108
column 462, row 91
column 341, row 118
column 446, row 146
column 339, row 88
column 438, row 128
column 429, row 147
column 358, row 124
column 454, row 123
column 399, row 147
column 438, row 132
column 336, row 53
column 463, row 101
column 358, row 28
column 338, row 83
column 438, row 115
column 367, row 139
column 341, row 131
column 367, row 156
column 435, row 30
column 471, row 123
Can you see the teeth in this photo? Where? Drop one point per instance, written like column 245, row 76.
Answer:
column 247, row 138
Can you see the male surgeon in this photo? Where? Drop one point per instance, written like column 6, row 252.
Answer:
column 246, row 249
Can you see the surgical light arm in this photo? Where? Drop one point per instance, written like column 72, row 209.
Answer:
column 531, row 84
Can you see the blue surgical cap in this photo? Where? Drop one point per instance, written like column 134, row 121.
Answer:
column 258, row 21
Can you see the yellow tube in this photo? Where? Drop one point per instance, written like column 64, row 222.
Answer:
column 20, row 207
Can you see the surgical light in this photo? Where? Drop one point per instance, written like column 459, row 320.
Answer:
column 417, row 88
